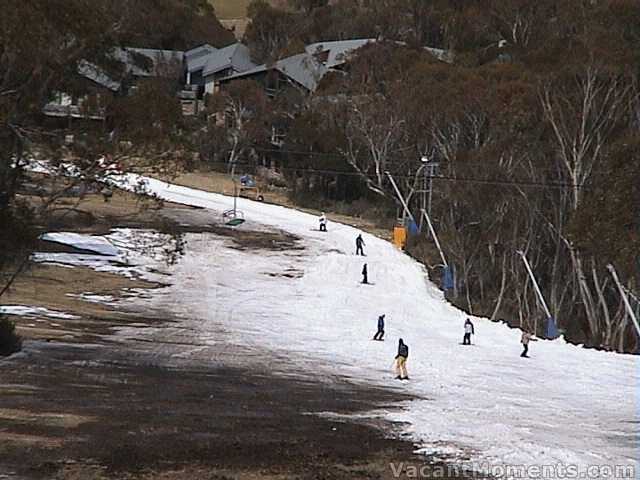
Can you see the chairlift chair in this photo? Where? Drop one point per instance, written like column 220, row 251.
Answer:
column 233, row 217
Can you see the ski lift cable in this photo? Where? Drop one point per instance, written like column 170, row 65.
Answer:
column 447, row 178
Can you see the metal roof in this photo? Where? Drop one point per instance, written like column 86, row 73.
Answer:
column 338, row 50
column 301, row 68
column 234, row 56
column 199, row 51
column 305, row 68
column 157, row 59
column 97, row 75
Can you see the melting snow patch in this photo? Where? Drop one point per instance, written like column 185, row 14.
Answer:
column 99, row 245
column 25, row 311
column 93, row 298
column 131, row 253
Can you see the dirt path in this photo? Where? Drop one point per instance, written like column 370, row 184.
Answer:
column 113, row 412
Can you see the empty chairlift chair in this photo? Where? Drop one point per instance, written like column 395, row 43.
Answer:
column 233, row 217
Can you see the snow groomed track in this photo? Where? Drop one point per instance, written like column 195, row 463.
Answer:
column 565, row 406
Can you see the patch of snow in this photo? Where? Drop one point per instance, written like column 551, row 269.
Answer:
column 131, row 253
column 95, row 298
column 26, row 311
column 90, row 243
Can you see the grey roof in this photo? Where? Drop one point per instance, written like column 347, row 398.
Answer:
column 301, row 68
column 97, row 75
column 338, row 50
column 236, row 56
column 440, row 54
column 158, row 59
column 305, row 68
column 199, row 51
column 198, row 62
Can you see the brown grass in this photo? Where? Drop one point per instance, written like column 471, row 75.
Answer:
column 228, row 9
column 55, row 288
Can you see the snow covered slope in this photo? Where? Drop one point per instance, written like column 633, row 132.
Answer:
column 483, row 402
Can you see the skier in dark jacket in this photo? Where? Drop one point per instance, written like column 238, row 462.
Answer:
column 401, row 361
column 468, row 331
column 364, row 274
column 380, row 333
column 359, row 245
column 323, row 222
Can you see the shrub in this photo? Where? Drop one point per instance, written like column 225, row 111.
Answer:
column 10, row 342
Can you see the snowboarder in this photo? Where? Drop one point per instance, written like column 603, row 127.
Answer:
column 365, row 280
column 526, row 338
column 380, row 333
column 468, row 331
column 401, row 361
column 323, row 222
column 359, row 244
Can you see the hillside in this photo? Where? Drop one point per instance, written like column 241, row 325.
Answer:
column 230, row 9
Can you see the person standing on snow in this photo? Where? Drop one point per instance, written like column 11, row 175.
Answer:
column 468, row 331
column 526, row 338
column 365, row 280
column 359, row 244
column 380, row 333
column 323, row 222
column 401, row 361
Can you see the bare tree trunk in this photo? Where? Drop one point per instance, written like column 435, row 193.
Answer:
column 585, row 292
column 604, row 308
column 503, row 284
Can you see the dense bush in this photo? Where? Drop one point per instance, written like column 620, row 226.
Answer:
column 10, row 342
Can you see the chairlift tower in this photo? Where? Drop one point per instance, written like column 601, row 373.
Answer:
column 430, row 170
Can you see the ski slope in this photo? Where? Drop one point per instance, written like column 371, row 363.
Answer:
column 480, row 403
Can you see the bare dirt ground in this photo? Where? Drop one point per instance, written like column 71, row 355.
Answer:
column 95, row 413
column 80, row 404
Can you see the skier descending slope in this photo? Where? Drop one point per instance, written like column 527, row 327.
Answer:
column 323, row 222
column 401, row 361
column 365, row 279
column 526, row 338
column 468, row 331
column 380, row 333
column 359, row 244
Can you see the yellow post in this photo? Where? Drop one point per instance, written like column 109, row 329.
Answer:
column 400, row 237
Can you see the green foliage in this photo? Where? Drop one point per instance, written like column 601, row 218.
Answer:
column 150, row 115
column 173, row 25
column 10, row 342
column 270, row 31
column 17, row 235
column 240, row 120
